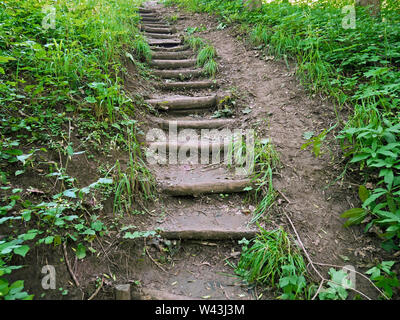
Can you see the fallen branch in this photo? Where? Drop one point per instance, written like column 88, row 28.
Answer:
column 97, row 290
column 69, row 265
column 284, row 197
column 151, row 258
column 218, row 186
column 208, row 234
column 303, row 248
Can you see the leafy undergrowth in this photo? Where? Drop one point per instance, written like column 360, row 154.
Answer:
column 358, row 67
column 64, row 114
column 273, row 260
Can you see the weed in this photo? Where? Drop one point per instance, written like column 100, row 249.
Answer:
column 384, row 277
column 266, row 160
column 205, row 56
column 264, row 257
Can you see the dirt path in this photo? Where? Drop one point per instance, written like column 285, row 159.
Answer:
column 276, row 104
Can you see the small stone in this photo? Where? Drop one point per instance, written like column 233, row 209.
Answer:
column 123, row 292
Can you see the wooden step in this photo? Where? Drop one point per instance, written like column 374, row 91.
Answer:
column 178, row 74
column 160, row 36
column 223, row 186
column 181, row 85
column 173, row 64
column 161, row 30
column 149, row 15
column 171, row 55
column 146, row 10
column 181, row 103
column 211, row 235
column 164, row 42
column 193, row 124
column 201, row 147
column 176, row 48
column 155, row 24
column 151, row 20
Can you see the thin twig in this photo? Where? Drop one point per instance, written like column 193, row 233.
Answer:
column 69, row 265
column 303, row 248
column 151, row 258
column 287, row 200
column 319, row 289
column 97, row 290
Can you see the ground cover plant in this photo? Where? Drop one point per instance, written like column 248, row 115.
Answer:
column 62, row 100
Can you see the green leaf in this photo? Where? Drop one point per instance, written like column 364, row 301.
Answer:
column 360, row 157
column 388, row 176
column 91, row 99
column 30, row 235
column 80, row 251
column 355, row 216
column 97, row 225
column 70, row 150
column 363, row 193
column 24, row 157
column 22, row 250
column 19, row 172
column 49, row 240
column 70, row 193
column 373, row 197
column 89, row 232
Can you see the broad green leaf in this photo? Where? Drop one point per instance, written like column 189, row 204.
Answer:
column 91, row 99
column 354, row 216
column 373, row 197
column 24, row 157
column 80, row 251
column 363, row 193
column 49, row 240
column 70, row 193
column 360, row 157
column 22, row 250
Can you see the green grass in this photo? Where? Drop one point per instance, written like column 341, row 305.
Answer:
column 266, row 161
column 62, row 95
column 135, row 185
column 206, row 55
column 262, row 258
